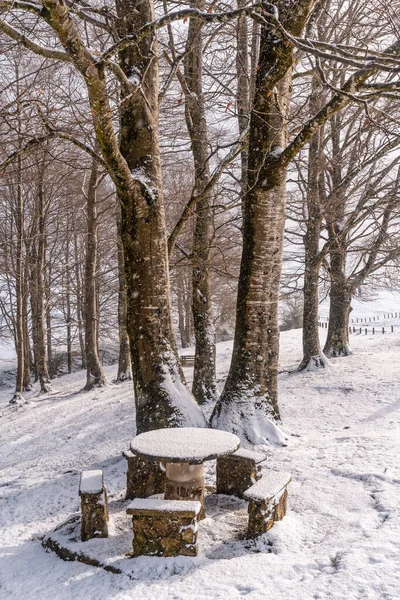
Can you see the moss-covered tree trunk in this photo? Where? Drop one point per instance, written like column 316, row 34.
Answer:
column 162, row 399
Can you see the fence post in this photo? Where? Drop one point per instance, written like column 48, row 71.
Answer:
column 373, row 331
column 392, row 328
column 383, row 330
column 366, row 330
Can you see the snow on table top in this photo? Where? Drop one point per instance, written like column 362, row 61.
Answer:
column 91, row 482
column 185, row 444
column 159, row 504
column 268, row 486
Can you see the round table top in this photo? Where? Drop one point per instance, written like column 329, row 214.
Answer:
column 184, row 444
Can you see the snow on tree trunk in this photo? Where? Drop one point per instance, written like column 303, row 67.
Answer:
column 248, row 405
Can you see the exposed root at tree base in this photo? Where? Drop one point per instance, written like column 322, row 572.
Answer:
column 336, row 352
column 312, row 363
column 247, row 418
column 91, row 385
column 18, row 399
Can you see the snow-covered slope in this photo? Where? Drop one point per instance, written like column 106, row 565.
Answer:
column 340, row 539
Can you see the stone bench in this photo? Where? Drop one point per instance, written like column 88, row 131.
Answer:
column 164, row 527
column 144, row 477
column 94, row 505
column 267, row 502
column 238, row 471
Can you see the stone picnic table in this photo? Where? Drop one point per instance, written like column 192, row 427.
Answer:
column 184, row 450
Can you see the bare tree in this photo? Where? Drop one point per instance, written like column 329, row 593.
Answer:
column 94, row 372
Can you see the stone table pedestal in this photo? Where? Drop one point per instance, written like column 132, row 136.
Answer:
column 185, row 481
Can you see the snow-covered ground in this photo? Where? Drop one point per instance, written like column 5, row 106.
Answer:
column 339, row 540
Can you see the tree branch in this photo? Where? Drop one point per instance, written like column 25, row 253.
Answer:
column 36, row 48
column 337, row 102
column 179, row 15
column 195, row 198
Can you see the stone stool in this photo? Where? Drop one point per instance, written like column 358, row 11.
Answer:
column 144, row 477
column 164, row 527
column 237, row 472
column 94, row 505
column 267, row 502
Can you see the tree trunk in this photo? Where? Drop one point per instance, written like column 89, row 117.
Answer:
column 160, row 394
column 250, row 397
column 47, row 280
column 124, row 359
column 40, row 355
column 204, row 379
column 28, row 359
column 254, row 58
column 180, row 294
column 33, row 262
column 94, row 372
column 188, row 309
column 242, row 91
column 79, row 308
column 68, row 315
column 19, row 325
column 337, row 341
column 313, row 356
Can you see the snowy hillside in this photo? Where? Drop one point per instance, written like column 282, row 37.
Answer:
column 339, row 540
